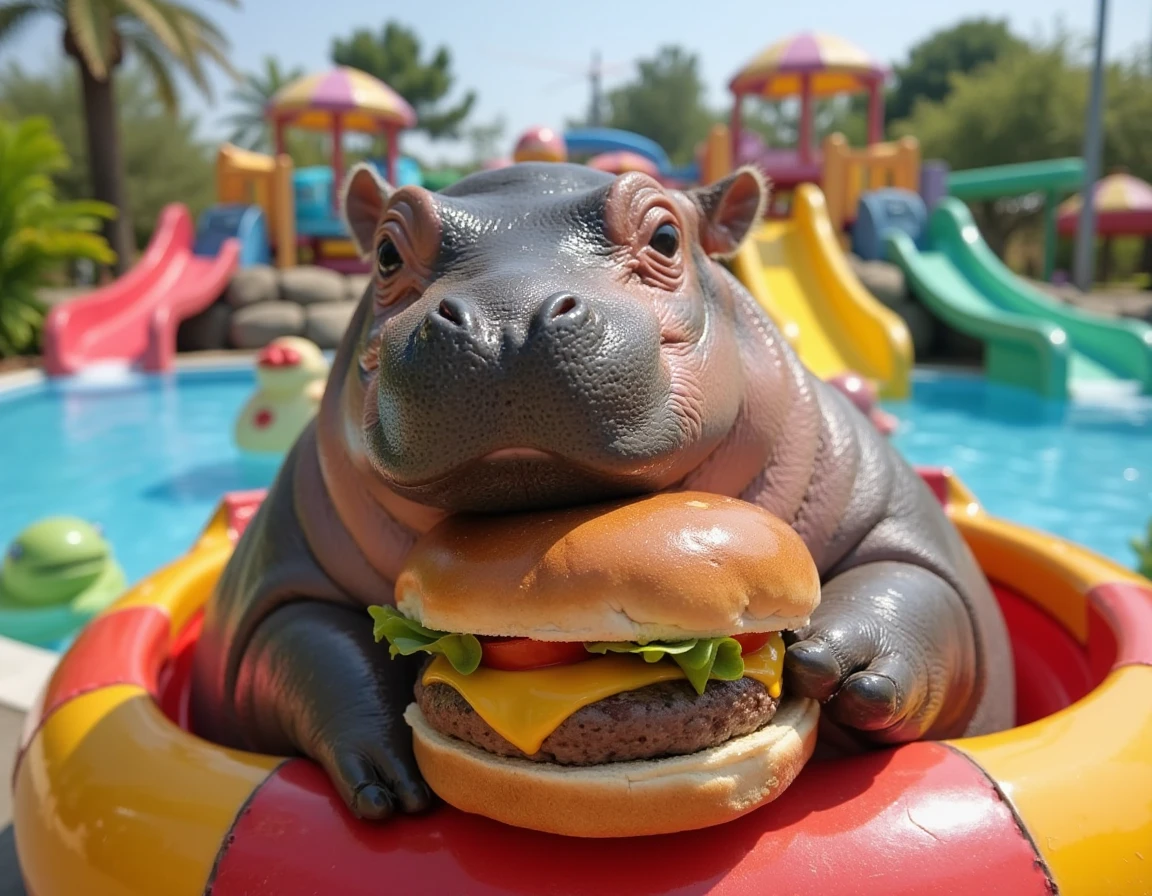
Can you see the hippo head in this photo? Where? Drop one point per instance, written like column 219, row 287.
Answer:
column 546, row 334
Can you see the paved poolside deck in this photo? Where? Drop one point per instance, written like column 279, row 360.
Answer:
column 11, row 723
column 23, row 672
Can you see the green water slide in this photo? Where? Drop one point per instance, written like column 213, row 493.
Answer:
column 1031, row 340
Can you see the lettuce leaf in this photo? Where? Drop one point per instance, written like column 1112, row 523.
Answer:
column 699, row 658
column 406, row 636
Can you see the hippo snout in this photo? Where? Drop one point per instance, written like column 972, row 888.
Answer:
column 462, row 324
column 573, row 376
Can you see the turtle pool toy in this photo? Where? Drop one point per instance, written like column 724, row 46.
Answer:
column 57, row 574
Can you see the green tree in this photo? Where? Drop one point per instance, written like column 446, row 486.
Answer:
column 394, row 56
column 665, row 102
column 1128, row 117
column 960, row 49
column 250, row 126
column 485, row 140
column 1025, row 107
column 37, row 230
column 164, row 36
column 165, row 161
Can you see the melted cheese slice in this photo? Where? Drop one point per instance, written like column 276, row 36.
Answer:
column 525, row 707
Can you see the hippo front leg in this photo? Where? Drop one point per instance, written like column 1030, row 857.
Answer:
column 891, row 652
column 313, row 681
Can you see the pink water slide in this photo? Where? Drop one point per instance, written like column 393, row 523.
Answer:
column 134, row 318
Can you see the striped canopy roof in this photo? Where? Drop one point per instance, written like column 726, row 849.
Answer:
column 832, row 64
column 1123, row 206
column 622, row 162
column 363, row 103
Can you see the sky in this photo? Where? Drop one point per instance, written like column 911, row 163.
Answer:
column 528, row 59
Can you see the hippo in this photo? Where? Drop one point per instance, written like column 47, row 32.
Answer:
column 545, row 335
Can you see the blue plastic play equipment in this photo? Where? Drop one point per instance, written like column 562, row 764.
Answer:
column 882, row 211
column 315, row 212
column 593, row 141
column 244, row 222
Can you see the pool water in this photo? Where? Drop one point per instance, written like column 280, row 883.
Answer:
column 149, row 457
column 1080, row 470
column 145, row 457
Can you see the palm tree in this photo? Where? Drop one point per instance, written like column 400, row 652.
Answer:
column 249, row 124
column 165, row 36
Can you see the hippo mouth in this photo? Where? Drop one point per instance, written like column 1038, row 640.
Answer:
column 517, row 479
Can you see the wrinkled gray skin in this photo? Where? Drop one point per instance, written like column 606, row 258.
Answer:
column 536, row 338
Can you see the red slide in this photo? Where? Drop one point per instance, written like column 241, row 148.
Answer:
column 134, row 318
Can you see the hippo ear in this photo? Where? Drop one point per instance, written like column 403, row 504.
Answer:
column 365, row 193
column 729, row 209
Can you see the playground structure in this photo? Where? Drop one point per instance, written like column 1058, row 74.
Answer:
column 1031, row 340
column 1123, row 206
column 266, row 213
column 811, row 66
column 336, row 102
column 133, row 320
column 865, row 198
column 1051, row 179
column 797, row 272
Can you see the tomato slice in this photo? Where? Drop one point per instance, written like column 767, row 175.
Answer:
column 752, row 642
column 521, row 654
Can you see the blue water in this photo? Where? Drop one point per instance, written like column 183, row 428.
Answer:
column 1080, row 470
column 145, row 457
column 149, row 457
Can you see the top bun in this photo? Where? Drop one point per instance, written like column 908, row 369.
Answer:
column 669, row 566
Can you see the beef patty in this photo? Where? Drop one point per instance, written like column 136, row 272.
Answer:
column 664, row 719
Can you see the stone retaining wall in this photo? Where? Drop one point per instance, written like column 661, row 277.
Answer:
column 263, row 303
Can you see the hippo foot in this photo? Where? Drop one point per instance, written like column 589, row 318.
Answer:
column 316, row 683
column 891, row 654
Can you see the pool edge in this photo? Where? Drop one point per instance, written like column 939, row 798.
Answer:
column 24, row 671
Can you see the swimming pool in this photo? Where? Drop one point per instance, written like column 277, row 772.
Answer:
column 148, row 457
column 1081, row 470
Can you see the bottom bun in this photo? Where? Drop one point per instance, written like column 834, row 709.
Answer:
column 621, row 799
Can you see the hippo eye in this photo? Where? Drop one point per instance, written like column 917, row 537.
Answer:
column 388, row 260
column 666, row 240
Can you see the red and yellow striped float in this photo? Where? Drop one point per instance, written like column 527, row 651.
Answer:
column 114, row 796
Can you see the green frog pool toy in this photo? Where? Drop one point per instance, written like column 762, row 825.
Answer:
column 57, row 574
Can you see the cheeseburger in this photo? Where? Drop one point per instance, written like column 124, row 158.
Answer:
column 607, row 671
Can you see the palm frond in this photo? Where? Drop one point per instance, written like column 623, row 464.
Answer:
column 156, row 19
column 155, row 63
column 90, row 23
column 209, row 39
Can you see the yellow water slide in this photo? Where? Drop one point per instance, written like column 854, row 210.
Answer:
column 798, row 273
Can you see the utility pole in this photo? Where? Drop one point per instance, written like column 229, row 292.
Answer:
column 596, row 104
column 1086, row 231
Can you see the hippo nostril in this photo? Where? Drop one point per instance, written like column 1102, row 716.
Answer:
column 446, row 311
column 566, row 304
column 562, row 308
column 456, row 312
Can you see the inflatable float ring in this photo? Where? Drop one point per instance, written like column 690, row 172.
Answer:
column 113, row 795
